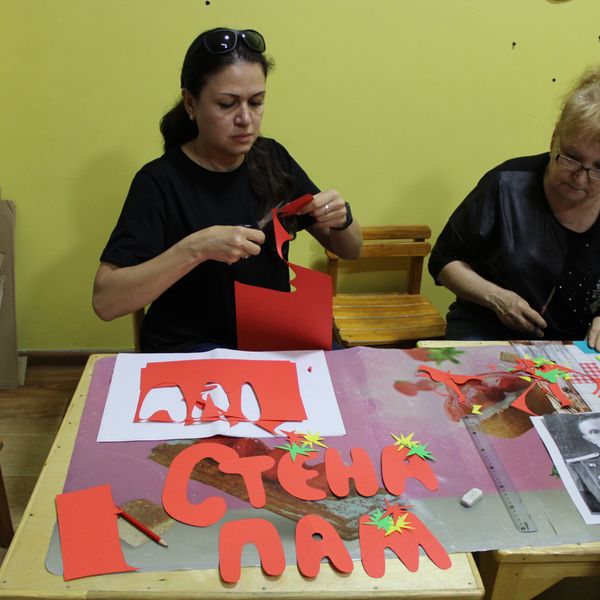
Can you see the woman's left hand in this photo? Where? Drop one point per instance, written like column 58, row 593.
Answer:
column 593, row 335
column 327, row 208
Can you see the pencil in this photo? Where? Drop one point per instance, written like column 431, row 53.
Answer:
column 153, row 536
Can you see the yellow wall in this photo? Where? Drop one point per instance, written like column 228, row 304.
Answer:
column 401, row 105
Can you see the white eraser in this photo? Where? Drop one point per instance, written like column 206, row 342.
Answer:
column 473, row 496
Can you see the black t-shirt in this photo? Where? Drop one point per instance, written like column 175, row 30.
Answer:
column 172, row 197
column 505, row 230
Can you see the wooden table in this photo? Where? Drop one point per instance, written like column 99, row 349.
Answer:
column 523, row 573
column 23, row 574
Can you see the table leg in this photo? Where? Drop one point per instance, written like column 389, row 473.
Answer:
column 513, row 580
column 6, row 528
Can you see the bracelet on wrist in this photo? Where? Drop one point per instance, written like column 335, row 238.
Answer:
column 347, row 222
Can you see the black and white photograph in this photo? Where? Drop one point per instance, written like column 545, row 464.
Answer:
column 573, row 441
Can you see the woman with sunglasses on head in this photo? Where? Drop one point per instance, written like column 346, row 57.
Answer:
column 522, row 251
column 186, row 231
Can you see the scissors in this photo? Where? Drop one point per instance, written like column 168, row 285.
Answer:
column 266, row 218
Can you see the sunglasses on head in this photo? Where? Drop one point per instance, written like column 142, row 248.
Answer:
column 222, row 41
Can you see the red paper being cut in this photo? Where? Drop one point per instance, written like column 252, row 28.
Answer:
column 89, row 537
column 296, row 320
column 274, row 382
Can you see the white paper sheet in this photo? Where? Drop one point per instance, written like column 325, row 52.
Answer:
column 552, row 445
column 118, row 424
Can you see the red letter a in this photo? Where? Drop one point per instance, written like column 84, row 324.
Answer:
column 315, row 540
column 405, row 543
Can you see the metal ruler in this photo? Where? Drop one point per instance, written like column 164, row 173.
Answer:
column 508, row 494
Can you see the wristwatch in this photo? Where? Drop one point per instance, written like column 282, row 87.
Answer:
column 348, row 220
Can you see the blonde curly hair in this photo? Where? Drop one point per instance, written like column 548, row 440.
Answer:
column 580, row 114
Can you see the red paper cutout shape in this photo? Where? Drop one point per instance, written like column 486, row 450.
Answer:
column 451, row 380
column 263, row 534
column 397, row 467
column 521, row 401
column 293, row 477
column 405, row 545
column 297, row 320
column 274, row 382
column 361, row 470
column 89, row 537
column 317, row 539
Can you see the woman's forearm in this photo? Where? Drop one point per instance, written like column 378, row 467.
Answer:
column 122, row 290
column 512, row 310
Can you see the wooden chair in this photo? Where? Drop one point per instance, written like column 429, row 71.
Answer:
column 6, row 527
column 388, row 318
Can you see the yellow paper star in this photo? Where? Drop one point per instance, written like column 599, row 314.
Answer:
column 476, row 409
column 313, row 438
column 400, row 524
column 404, row 441
column 525, row 377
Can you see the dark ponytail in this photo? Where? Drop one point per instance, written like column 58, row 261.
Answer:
column 269, row 182
column 176, row 127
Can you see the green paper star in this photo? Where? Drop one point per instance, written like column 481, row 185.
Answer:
column 379, row 519
column 439, row 355
column 552, row 376
column 295, row 450
column 421, row 451
column 376, row 514
column 538, row 362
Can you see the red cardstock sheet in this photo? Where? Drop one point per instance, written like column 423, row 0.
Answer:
column 89, row 539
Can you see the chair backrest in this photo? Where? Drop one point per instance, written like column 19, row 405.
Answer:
column 391, row 241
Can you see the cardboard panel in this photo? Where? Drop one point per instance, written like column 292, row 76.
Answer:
column 9, row 371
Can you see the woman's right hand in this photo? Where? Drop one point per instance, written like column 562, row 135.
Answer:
column 515, row 312
column 122, row 290
column 225, row 243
